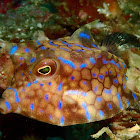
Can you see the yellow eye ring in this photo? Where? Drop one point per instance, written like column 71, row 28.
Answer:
column 45, row 70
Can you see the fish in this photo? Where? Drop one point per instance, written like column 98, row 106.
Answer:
column 66, row 81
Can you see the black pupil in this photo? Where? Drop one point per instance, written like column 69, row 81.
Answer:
column 45, row 70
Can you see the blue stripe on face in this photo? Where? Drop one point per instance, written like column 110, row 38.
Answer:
column 62, row 120
column 38, row 43
column 60, row 104
column 87, row 113
column 92, row 60
column 51, row 43
column 109, row 105
column 59, row 88
column 84, row 35
column 134, row 96
column 13, row 50
column 32, row 60
column 83, row 65
column 70, row 63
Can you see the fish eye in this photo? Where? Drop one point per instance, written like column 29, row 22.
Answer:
column 46, row 67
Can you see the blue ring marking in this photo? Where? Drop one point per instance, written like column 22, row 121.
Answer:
column 62, row 120
column 13, row 50
column 7, row 105
column 134, row 96
column 51, row 43
column 26, row 50
column 82, row 46
column 84, row 35
column 123, row 64
column 65, row 49
column 101, row 113
column 104, row 61
column 38, row 43
column 72, row 77
column 98, row 99
column 120, row 102
column 76, row 92
column 95, row 46
column 95, row 89
column 16, row 94
column 49, row 83
column 108, row 91
column 31, row 106
column 92, row 60
column 87, row 113
column 60, row 104
column 83, row 65
column 28, row 84
column 59, row 88
column 32, row 60
column 115, row 81
column 47, row 97
column 70, row 63
column 101, row 76
column 43, row 48
column 110, row 106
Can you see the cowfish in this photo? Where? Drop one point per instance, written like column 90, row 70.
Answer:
column 66, row 81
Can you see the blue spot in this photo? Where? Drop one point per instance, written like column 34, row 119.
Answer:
column 49, row 83
column 95, row 89
column 50, row 117
column 20, row 64
column 115, row 81
column 94, row 74
column 110, row 71
column 32, row 60
column 60, row 86
column 113, row 62
column 82, row 46
column 35, row 81
column 28, row 84
column 134, row 96
column 99, row 56
column 60, row 104
column 87, row 113
column 109, row 105
column 108, row 91
column 16, row 94
column 99, row 99
column 92, row 60
column 69, row 45
column 84, row 82
column 23, row 89
column 42, row 48
column 46, row 96
column 94, row 46
column 101, row 113
column 41, row 84
column 65, row 49
column 104, row 61
column 64, row 42
column 120, row 102
column 126, row 78
column 62, row 120
column 31, row 106
column 38, row 43
column 101, row 77
column 106, row 72
column 72, row 77
column 13, row 50
column 22, row 74
column 83, row 66
column 84, row 35
column 7, row 105
column 70, row 63
column 79, row 50
column 30, row 72
column 51, row 43
column 123, row 84
column 26, row 50
column 21, row 58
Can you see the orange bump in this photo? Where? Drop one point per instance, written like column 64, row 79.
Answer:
column 86, row 74
column 95, row 72
column 107, row 82
column 97, row 87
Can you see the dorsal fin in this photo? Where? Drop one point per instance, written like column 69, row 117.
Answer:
column 82, row 36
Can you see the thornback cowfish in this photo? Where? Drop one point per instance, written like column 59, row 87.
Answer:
column 66, row 81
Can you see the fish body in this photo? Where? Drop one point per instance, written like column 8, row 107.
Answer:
column 66, row 81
